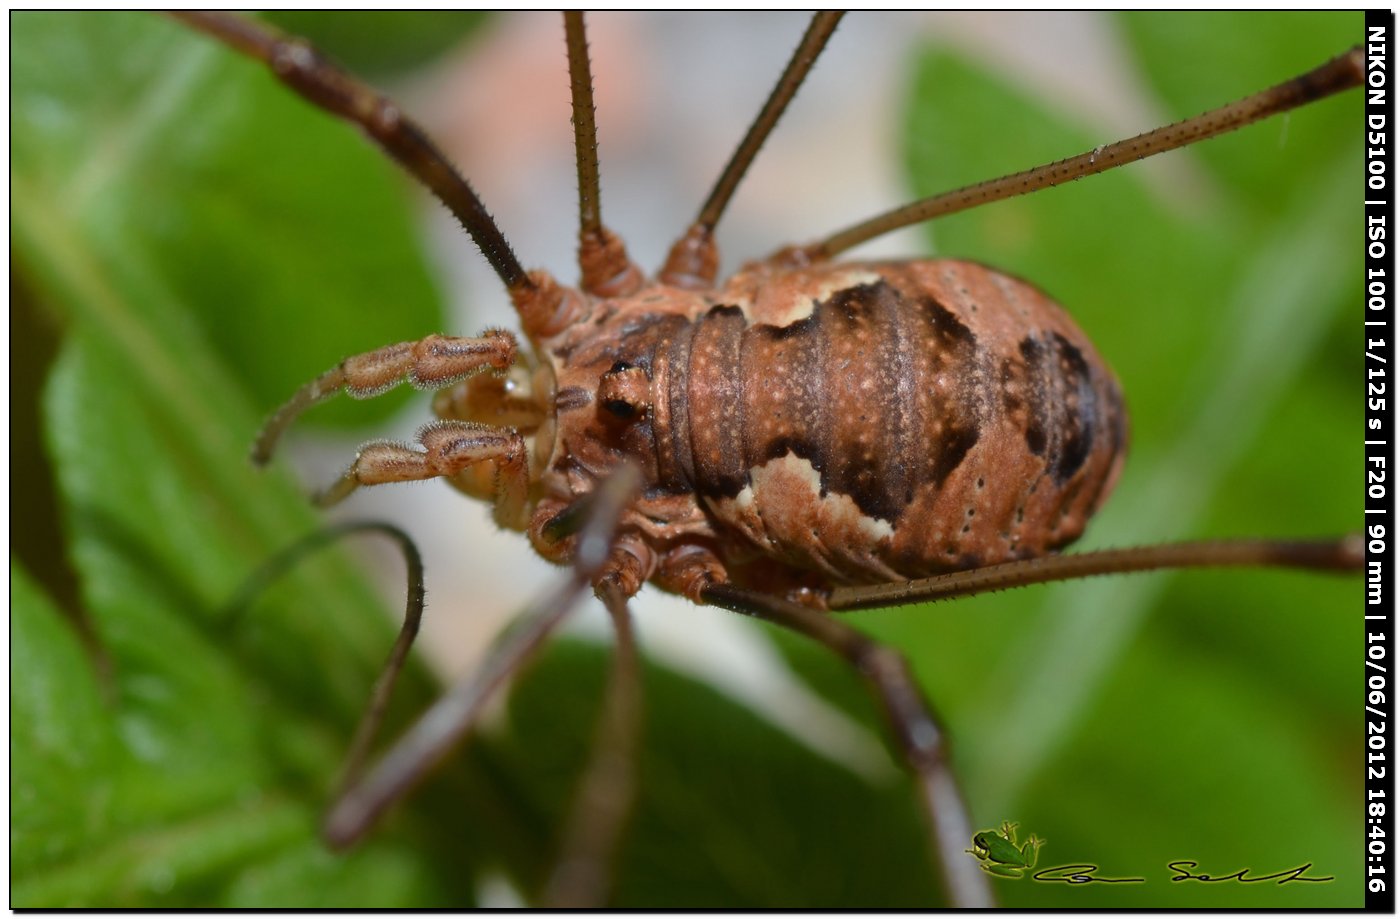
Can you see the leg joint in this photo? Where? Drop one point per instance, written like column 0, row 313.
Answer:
column 913, row 720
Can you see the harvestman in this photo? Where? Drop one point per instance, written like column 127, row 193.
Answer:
column 638, row 446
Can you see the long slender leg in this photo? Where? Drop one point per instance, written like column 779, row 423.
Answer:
column 582, row 876
column 300, row 67
column 285, row 560
column 373, row 717
column 694, row 260
column 602, row 258
column 1338, row 74
column 430, row 363
column 1345, row 554
column 444, row 724
column 915, row 727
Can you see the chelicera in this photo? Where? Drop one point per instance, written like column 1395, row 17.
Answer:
column 807, row 436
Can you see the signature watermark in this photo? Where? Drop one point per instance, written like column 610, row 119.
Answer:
column 999, row 853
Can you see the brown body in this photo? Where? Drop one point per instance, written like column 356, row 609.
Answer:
column 837, row 424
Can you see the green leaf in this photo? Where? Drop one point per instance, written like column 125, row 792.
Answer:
column 61, row 737
column 121, row 116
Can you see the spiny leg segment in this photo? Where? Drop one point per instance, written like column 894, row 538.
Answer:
column 1343, row 72
column 1344, row 554
column 544, row 308
column 602, row 257
column 694, row 259
column 299, row 66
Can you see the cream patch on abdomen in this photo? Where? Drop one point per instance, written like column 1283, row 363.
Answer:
column 781, row 305
column 783, row 511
